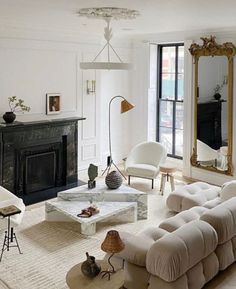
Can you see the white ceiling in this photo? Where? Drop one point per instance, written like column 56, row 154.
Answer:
column 157, row 16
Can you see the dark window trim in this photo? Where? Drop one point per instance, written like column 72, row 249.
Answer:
column 159, row 89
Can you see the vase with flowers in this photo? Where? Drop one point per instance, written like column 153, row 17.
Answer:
column 16, row 105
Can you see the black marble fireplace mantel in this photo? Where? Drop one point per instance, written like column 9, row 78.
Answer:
column 39, row 158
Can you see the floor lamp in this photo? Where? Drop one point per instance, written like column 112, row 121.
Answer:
column 124, row 107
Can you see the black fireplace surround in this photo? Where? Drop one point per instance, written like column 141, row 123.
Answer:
column 38, row 159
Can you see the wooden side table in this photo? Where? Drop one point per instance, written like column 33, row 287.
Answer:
column 167, row 172
column 76, row 280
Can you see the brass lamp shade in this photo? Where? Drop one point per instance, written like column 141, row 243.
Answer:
column 126, row 106
column 112, row 243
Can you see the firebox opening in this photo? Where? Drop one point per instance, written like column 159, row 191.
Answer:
column 40, row 171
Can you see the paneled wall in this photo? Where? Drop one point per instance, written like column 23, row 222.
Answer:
column 31, row 68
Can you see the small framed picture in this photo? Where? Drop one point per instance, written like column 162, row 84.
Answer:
column 53, row 103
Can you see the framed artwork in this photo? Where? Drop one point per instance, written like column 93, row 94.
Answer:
column 53, row 103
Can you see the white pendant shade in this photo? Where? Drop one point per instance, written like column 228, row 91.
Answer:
column 106, row 65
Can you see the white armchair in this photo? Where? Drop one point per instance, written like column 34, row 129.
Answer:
column 144, row 160
column 7, row 199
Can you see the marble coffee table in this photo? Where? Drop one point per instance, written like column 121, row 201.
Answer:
column 64, row 211
column 102, row 193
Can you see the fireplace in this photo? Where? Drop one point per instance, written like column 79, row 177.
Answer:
column 38, row 159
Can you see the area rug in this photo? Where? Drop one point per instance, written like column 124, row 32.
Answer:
column 51, row 249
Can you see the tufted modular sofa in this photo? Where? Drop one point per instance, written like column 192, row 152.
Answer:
column 184, row 252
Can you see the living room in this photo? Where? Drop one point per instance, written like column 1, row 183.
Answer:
column 42, row 47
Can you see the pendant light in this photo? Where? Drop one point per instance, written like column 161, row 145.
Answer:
column 107, row 14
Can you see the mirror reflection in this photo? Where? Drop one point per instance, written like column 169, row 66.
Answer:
column 212, row 112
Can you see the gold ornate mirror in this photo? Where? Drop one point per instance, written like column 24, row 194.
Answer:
column 213, row 104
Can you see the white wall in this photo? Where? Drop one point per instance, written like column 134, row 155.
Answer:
column 141, row 120
column 31, row 68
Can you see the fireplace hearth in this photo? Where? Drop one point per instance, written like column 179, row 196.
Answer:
column 38, row 159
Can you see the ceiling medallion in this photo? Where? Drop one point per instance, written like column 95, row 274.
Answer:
column 107, row 14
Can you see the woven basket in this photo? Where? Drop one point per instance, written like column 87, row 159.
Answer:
column 113, row 180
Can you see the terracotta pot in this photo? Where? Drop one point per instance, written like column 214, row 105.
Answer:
column 9, row 117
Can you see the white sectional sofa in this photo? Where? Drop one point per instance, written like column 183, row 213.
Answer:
column 184, row 252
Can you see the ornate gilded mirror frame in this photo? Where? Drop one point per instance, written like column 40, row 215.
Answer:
column 211, row 48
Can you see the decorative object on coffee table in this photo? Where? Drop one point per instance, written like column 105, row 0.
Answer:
column 92, row 173
column 125, row 106
column 88, row 212
column 89, row 267
column 113, row 180
column 16, row 105
column 112, row 244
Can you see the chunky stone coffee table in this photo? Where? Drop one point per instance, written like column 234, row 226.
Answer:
column 102, row 193
column 64, row 211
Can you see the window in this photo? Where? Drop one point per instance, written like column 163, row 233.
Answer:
column 170, row 96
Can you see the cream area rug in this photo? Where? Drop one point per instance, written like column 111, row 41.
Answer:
column 51, row 249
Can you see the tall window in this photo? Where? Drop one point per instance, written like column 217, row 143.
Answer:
column 170, row 98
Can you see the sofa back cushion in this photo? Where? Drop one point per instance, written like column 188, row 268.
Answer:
column 173, row 223
column 228, row 190
column 223, row 219
column 175, row 253
column 137, row 246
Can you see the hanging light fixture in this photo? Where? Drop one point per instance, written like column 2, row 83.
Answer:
column 107, row 14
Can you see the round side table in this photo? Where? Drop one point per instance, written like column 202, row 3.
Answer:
column 76, row 280
column 167, row 172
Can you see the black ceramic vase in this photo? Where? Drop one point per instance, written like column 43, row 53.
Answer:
column 89, row 267
column 217, row 96
column 9, row 117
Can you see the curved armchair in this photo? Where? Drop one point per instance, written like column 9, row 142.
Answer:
column 7, row 199
column 144, row 160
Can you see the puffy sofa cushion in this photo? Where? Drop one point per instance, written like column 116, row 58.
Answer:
column 228, row 190
column 137, row 246
column 188, row 196
column 174, row 254
column 173, row 223
column 223, row 219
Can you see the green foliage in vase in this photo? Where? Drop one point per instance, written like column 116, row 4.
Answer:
column 92, row 172
column 17, row 105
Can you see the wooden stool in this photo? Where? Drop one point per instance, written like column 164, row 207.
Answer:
column 167, row 174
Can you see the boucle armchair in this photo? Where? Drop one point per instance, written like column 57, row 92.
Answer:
column 144, row 160
column 7, row 199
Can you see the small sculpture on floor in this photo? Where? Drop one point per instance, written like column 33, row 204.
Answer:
column 92, row 173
